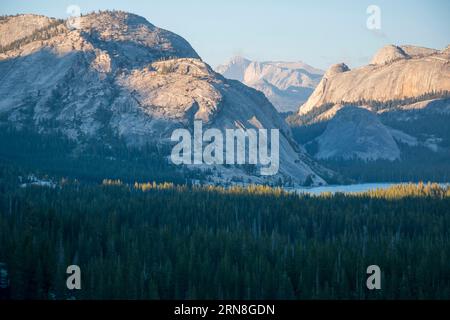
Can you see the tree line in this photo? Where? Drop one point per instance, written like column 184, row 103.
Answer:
column 51, row 30
column 166, row 241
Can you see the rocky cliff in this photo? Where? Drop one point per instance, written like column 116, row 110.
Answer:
column 117, row 75
column 394, row 73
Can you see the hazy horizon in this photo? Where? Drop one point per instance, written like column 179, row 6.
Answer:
column 319, row 35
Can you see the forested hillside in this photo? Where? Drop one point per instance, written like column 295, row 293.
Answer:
column 150, row 241
column 425, row 159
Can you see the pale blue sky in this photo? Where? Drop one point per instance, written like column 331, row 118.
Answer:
column 320, row 32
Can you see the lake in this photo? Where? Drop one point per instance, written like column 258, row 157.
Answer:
column 352, row 188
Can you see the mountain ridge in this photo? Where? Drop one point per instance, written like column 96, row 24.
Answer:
column 389, row 110
column 285, row 84
column 393, row 74
column 117, row 75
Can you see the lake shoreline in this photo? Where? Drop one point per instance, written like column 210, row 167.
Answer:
column 351, row 188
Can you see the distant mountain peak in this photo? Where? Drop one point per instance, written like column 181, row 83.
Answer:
column 239, row 60
column 285, row 84
column 234, row 68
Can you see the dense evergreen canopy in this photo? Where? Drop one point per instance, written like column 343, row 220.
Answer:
column 160, row 241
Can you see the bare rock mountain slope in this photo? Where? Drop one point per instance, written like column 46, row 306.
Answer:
column 356, row 133
column 116, row 74
column 403, row 94
column 394, row 73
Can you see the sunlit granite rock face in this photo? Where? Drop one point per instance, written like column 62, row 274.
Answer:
column 118, row 75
